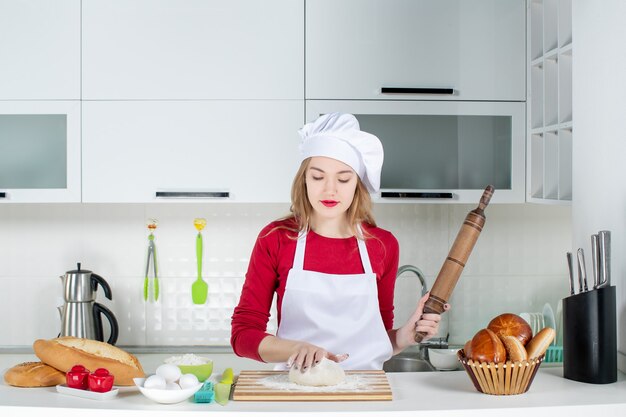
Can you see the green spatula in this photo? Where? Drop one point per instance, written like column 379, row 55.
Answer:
column 199, row 288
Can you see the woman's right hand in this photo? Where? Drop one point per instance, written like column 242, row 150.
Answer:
column 307, row 355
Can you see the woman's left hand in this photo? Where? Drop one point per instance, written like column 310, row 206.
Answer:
column 419, row 323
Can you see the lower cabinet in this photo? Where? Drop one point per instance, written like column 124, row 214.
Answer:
column 219, row 150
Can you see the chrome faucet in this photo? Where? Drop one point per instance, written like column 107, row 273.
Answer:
column 416, row 271
column 440, row 342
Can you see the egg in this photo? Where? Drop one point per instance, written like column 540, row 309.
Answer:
column 169, row 372
column 154, row 382
column 188, row 381
column 172, row 386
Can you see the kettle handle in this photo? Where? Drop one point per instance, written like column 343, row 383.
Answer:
column 98, row 310
column 97, row 279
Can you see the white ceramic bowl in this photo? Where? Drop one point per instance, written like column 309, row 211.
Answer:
column 165, row 396
column 444, row 359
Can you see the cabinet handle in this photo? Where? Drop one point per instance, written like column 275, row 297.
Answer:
column 192, row 194
column 3, row 195
column 395, row 194
column 400, row 90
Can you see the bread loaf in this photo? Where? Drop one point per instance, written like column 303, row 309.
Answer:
column 515, row 351
column 64, row 352
column 33, row 374
column 540, row 342
column 487, row 347
column 509, row 324
column 467, row 349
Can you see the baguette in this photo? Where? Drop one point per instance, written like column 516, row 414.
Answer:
column 540, row 342
column 33, row 374
column 64, row 352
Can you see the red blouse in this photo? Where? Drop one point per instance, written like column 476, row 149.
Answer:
column 272, row 258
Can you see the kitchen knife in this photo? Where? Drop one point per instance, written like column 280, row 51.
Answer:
column 604, row 245
column 570, row 268
column 595, row 260
column 582, row 272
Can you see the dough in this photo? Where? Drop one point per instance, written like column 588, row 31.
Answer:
column 325, row 373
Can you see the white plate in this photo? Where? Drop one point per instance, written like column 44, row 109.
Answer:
column 526, row 317
column 548, row 316
column 83, row 393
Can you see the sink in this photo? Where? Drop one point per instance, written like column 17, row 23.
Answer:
column 407, row 364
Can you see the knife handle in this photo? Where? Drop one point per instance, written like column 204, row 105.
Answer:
column 582, row 270
column 595, row 260
column 604, row 244
column 570, row 268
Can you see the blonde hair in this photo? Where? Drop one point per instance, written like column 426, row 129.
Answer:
column 360, row 211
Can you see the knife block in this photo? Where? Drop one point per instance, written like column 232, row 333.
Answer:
column 590, row 336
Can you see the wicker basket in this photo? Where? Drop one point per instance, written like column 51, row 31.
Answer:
column 508, row 378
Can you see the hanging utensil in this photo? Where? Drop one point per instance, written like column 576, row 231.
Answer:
column 152, row 225
column 199, row 289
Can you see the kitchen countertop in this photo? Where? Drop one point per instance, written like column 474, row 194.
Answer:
column 414, row 394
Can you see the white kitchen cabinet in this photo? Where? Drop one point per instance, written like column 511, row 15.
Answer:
column 476, row 49
column 442, row 151
column 133, row 150
column 550, row 125
column 39, row 49
column 40, row 159
column 196, row 49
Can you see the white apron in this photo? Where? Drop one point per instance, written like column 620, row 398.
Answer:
column 339, row 313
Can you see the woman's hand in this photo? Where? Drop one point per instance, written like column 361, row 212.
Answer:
column 418, row 323
column 307, row 355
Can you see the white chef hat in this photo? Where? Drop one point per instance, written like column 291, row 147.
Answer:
column 338, row 136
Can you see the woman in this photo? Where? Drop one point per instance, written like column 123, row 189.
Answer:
column 332, row 269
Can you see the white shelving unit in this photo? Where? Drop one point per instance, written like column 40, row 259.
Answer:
column 550, row 125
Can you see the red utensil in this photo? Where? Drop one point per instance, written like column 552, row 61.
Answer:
column 77, row 377
column 100, row 380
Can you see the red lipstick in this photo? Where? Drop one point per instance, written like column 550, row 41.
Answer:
column 329, row 203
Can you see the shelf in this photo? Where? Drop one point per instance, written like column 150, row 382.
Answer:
column 550, row 128
column 551, row 93
column 565, row 22
column 536, row 97
column 550, row 26
column 536, row 177
column 536, row 30
column 565, row 164
column 565, row 88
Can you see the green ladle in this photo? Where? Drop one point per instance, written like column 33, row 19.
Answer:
column 199, row 288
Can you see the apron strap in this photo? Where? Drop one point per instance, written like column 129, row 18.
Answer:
column 365, row 257
column 298, row 259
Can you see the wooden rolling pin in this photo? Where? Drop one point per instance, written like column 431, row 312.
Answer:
column 457, row 257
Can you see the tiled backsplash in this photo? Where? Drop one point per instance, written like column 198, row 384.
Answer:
column 517, row 265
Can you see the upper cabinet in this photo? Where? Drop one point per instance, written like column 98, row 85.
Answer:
column 212, row 150
column 416, row 49
column 39, row 50
column 196, row 49
column 40, row 151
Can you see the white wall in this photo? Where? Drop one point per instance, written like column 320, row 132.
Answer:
column 518, row 264
column 599, row 150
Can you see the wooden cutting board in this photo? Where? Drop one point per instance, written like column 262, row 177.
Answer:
column 273, row 386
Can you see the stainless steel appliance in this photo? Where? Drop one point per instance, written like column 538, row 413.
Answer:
column 81, row 316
